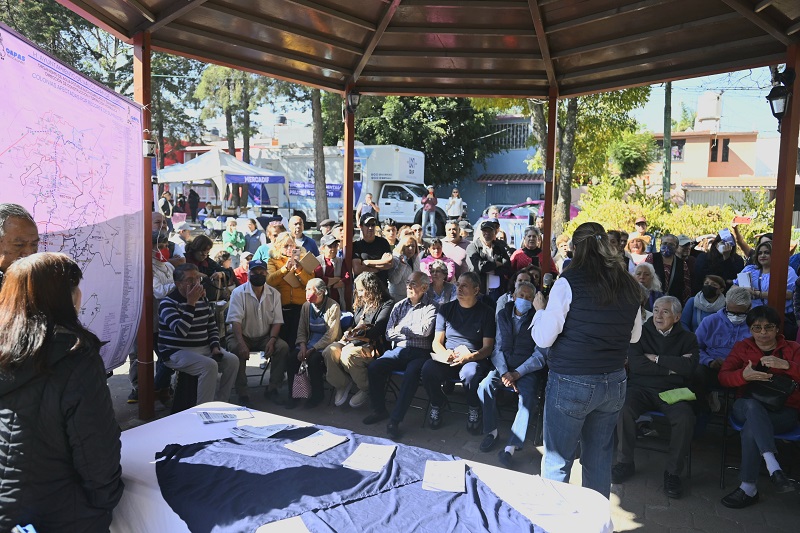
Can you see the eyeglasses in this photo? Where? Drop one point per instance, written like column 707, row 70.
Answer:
column 763, row 329
column 734, row 313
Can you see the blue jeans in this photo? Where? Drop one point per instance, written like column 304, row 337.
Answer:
column 758, row 432
column 582, row 409
column 528, row 390
column 380, row 371
column 429, row 223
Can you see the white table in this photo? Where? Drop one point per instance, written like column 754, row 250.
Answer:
column 143, row 509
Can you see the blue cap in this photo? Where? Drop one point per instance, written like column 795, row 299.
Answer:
column 258, row 263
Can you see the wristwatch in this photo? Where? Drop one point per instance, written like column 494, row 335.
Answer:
column 656, row 361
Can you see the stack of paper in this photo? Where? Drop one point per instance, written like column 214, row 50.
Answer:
column 446, row 476
column 259, row 432
column 370, row 457
column 226, row 415
column 317, row 443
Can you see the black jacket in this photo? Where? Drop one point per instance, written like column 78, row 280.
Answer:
column 59, row 443
column 677, row 353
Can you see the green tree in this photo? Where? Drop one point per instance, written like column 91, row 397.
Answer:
column 632, row 153
column 449, row 131
column 686, row 122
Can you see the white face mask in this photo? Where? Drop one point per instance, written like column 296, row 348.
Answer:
column 721, row 248
column 736, row 320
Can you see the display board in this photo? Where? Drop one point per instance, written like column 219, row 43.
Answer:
column 71, row 153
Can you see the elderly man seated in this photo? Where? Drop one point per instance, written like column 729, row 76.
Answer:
column 464, row 340
column 664, row 359
column 410, row 331
column 188, row 338
column 256, row 317
column 516, row 365
column 716, row 335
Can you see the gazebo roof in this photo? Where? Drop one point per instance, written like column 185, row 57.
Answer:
column 491, row 48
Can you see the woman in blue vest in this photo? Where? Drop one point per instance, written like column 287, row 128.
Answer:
column 588, row 323
column 254, row 237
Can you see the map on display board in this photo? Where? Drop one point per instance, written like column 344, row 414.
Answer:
column 71, row 153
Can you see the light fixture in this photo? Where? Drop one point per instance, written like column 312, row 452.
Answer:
column 353, row 99
column 780, row 94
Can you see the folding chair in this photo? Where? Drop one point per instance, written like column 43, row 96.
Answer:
column 646, row 443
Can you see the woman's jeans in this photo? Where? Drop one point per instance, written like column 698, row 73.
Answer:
column 758, row 433
column 582, row 409
column 429, row 223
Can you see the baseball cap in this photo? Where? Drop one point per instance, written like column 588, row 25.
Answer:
column 182, row 226
column 641, row 219
column 245, row 256
column 683, row 240
column 466, row 226
column 488, row 224
column 367, row 218
column 327, row 222
column 258, row 263
column 327, row 240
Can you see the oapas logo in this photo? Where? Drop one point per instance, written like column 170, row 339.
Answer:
column 412, row 165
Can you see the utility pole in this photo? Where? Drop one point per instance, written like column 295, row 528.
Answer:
column 667, row 179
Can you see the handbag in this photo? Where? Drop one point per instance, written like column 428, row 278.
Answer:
column 772, row 394
column 301, row 388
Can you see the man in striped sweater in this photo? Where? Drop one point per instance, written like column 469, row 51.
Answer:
column 188, row 338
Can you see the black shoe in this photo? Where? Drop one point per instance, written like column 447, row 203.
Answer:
column 739, row 499
column 488, row 442
column 782, row 484
column 133, row 397
column 621, row 472
column 506, row 459
column 290, row 403
column 273, row 396
column 375, row 416
column 312, row 402
column 672, row 485
column 474, row 420
column 435, row 418
column 393, row 430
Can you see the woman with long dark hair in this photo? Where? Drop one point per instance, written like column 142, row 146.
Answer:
column 59, row 440
column 588, row 323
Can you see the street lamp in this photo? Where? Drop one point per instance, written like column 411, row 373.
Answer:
column 780, row 94
column 353, row 99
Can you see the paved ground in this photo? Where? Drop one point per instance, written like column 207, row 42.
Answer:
column 638, row 504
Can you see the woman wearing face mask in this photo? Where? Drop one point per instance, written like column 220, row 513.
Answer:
column 516, row 365
column 521, row 276
column 720, row 260
column 59, row 444
column 706, row 302
column 759, row 275
column 320, row 326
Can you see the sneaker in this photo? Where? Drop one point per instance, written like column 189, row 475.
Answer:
column 672, row 485
column 341, row 395
column 781, row 483
column 621, row 472
column 488, row 442
column 434, row 418
column 359, row 399
column 375, row 417
column 506, row 459
column 393, row 430
column 273, row 396
column 133, row 397
column 739, row 499
column 473, row 420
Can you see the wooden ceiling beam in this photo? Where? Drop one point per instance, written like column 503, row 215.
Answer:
column 642, row 62
column 456, row 92
column 374, row 40
column 764, row 22
column 608, row 13
column 142, row 9
column 444, row 53
column 449, row 30
column 631, row 38
column 237, row 40
column 544, row 47
column 472, row 4
column 361, row 23
column 460, row 75
column 273, row 23
column 764, row 4
column 176, row 9
column 794, row 28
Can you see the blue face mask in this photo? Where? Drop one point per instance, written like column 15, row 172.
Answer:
column 667, row 251
column 523, row 305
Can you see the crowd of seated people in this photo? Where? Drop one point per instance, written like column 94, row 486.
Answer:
column 468, row 319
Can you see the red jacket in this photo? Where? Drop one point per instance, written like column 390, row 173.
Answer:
column 730, row 375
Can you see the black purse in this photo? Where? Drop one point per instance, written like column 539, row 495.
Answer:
column 772, row 394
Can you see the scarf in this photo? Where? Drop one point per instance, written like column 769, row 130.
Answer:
column 704, row 305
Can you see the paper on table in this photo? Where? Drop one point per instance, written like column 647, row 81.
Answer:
column 543, row 498
column 370, row 457
column 446, row 476
column 744, row 279
column 228, row 415
column 316, row 443
column 259, row 432
column 294, row 524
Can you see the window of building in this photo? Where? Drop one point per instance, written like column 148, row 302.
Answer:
column 714, row 150
column 677, row 151
column 726, row 149
column 511, row 136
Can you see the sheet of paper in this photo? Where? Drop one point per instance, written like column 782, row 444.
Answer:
column 446, row 476
column 317, row 443
column 228, row 415
column 259, row 432
column 292, row 279
column 461, row 351
column 441, row 357
column 744, row 279
column 370, row 457
column 543, row 498
column 309, row 263
column 294, row 524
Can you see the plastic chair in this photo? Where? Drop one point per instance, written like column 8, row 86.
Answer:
column 642, row 443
